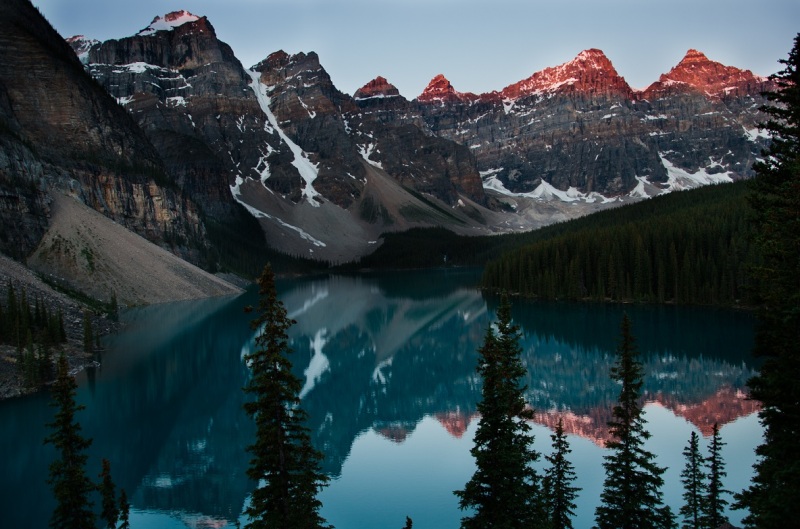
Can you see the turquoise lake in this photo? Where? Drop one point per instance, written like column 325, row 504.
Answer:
column 388, row 369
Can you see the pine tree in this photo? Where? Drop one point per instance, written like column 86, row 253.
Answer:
column 631, row 497
column 284, row 463
column 715, row 503
column 772, row 496
column 558, row 478
column 110, row 511
column 71, row 486
column 504, row 492
column 124, row 510
column 694, row 485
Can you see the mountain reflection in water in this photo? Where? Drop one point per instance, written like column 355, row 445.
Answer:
column 376, row 354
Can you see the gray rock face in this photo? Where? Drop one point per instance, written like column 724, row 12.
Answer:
column 59, row 130
column 579, row 125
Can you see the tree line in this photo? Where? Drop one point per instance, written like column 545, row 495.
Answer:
column 34, row 331
column 691, row 248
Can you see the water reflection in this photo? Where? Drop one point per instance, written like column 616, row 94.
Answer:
column 379, row 357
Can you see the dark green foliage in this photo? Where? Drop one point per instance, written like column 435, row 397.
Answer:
column 688, row 247
column 124, row 510
column 505, row 491
column 284, row 462
column 34, row 332
column 631, row 497
column 715, row 503
column 110, row 512
column 772, row 496
column 694, row 485
column 71, row 486
column 558, row 478
column 409, row 524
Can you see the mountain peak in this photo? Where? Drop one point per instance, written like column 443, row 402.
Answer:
column 168, row 22
column 589, row 71
column 696, row 71
column 440, row 89
column 81, row 46
column 378, row 87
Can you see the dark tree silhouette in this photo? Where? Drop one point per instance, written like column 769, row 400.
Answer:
column 558, row 478
column 505, row 491
column 283, row 462
column 772, row 495
column 715, row 503
column 693, row 478
column 71, row 486
column 631, row 497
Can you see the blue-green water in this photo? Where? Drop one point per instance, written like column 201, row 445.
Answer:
column 387, row 363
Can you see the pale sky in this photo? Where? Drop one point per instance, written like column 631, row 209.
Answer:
column 479, row 45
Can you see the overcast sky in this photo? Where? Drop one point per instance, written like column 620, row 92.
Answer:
column 479, row 45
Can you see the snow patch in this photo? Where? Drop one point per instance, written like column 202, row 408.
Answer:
column 307, row 169
column 319, row 363
column 168, row 22
column 756, row 134
column 366, row 152
column 680, row 179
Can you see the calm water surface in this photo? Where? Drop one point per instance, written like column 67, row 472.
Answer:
column 388, row 370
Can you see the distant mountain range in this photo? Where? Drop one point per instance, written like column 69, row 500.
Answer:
column 325, row 173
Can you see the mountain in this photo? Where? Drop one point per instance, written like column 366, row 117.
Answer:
column 325, row 173
column 574, row 130
column 61, row 132
column 321, row 176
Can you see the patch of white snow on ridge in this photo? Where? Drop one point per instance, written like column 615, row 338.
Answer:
column 319, row 363
column 136, row 67
column 312, row 114
column 639, row 190
column 257, row 213
column 366, row 152
column 543, row 191
column 168, row 22
column 756, row 134
column 307, row 169
column 680, row 179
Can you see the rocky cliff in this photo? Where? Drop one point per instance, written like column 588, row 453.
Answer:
column 281, row 140
column 325, row 172
column 581, row 129
column 60, row 130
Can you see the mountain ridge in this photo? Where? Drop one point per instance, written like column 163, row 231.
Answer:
column 565, row 141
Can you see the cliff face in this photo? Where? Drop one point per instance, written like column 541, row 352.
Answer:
column 60, row 130
column 579, row 125
column 280, row 138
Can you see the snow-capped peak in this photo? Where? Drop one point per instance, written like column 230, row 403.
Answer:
column 440, row 89
column 590, row 70
column 81, row 45
column 168, row 22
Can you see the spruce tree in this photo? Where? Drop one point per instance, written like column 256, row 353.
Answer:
column 631, row 497
column 284, row 464
column 772, row 496
column 693, row 478
column 110, row 512
column 124, row 510
column 71, row 486
column 715, row 503
column 558, row 478
column 505, row 490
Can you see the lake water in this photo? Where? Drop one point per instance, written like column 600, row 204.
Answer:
column 388, row 367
